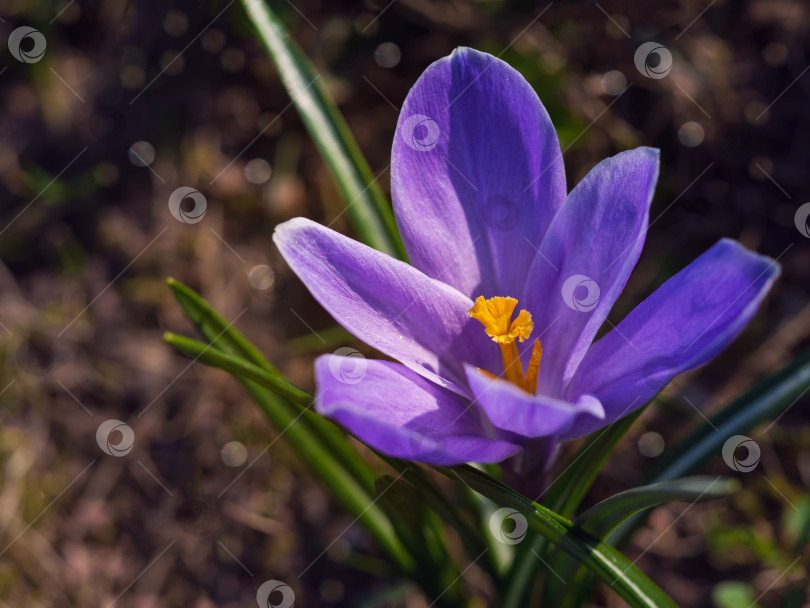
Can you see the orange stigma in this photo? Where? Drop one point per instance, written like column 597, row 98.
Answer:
column 495, row 314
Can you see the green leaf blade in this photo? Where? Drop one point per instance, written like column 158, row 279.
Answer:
column 564, row 496
column 216, row 329
column 768, row 398
column 371, row 214
column 213, row 357
column 341, row 483
column 233, row 352
column 600, row 519
column 604, row 561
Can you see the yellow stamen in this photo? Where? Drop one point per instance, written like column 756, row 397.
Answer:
column 495, row 314
column 530, row 379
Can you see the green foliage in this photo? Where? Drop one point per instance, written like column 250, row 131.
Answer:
column 370, row 212
column 340, row 467
column 404, row 512
column 733, row 594
column 601, row 518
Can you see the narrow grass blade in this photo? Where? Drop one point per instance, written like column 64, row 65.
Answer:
column 368, row 208
column 563, row 496
column 767, row 399
column 224, row 337
column 213, row 357
column 601, row 518
column 567, row 491
column 296, row 430
column 600, row 558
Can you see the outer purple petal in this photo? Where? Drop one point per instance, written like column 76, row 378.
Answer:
column 685, row 323
column 586, row 258
column 512, row 409
column 399, row 413
column 476, row 174
column 388, row 304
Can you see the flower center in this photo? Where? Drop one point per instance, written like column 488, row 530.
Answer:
column 495, row 314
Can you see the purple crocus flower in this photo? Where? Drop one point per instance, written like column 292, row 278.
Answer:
column 492, row 324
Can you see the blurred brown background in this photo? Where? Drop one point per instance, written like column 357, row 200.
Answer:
column 133, row 99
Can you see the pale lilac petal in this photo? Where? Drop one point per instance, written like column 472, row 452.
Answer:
column 476, row 174
column 512, row 409
column 388, row 304
column 396, row 411
column 684, row 324
column 585, row 260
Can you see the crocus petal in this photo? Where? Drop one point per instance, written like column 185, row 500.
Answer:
column 476, row 174
column 685, row 323
column 586, row 258
column 512, row 409
column 396, row 411
column 388, row 304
